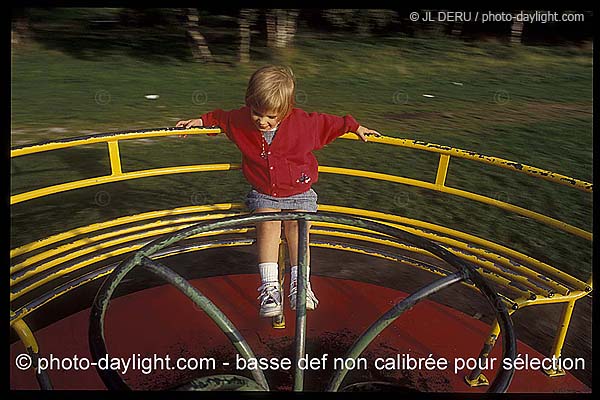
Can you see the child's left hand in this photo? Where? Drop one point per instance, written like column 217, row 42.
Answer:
column 362, row 132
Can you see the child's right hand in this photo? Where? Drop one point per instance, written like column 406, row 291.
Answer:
column 188, row 123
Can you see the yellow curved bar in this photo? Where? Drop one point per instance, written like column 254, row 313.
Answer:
column 547, row 269
column 119, row 221
column 117, row 175
column 24, row 311
column 181, row 223
column 462, row 193
column 482, row 263
column 63, row 187
column 76, row 254
column 108, row 244
column 575, row 295
column 335, row 170
column 345, row 210
column 471, row 155
column 94, row 259
column 493, row 257
column 79, row 141
column 70, row 256
column 25, row 335
column 409, row 143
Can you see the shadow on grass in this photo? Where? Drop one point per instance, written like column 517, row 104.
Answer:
column 85, row 42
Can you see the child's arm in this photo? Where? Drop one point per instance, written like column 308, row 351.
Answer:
column 330, row 127
column 216, row 117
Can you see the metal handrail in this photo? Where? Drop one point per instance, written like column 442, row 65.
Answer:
column 116, row 175
column 90, row 246
column 114, row 137
column 420, row 226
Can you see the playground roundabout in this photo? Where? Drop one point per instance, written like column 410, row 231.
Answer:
column 166, row 299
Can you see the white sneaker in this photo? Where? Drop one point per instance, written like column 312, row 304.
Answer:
column 270, row 300
column 311, row 299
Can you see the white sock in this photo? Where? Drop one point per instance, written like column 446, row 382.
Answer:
column 269, row 272
column 294, row 274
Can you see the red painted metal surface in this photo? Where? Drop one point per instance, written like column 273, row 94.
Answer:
column 160, row 323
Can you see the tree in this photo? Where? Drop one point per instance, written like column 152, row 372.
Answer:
column 516, row 30
column 247, row 17
column 20, row 25
column 363, row 21
column 200, row 50
column 281, row 27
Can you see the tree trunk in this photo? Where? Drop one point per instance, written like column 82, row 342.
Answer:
column 516, row 31
column 247, row 17
column 457, row 29
column 244, row 36
column 271, row 20
column 281, row 27
column 362, row 24
column 19, row 28
column 291, row 26
column 200, row 50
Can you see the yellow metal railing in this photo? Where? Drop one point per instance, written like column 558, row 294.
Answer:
column 539, row 282
column 446, row 153
column 116, row 174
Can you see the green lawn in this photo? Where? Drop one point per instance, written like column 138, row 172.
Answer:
column 523, row 103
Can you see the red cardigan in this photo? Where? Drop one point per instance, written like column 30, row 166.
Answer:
column 287, row 166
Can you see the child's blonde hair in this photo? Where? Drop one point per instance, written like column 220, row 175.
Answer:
column 272, row 88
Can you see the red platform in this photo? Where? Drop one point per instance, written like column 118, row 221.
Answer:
column 161, row 322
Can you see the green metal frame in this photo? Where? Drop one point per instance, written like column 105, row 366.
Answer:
column 143, row 257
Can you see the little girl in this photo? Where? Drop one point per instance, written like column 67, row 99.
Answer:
column 276, row 141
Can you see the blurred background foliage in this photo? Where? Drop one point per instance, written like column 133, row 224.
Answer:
column 222, row 30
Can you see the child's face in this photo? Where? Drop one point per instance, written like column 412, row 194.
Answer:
column 265, row 121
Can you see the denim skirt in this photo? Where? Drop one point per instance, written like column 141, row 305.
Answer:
column 306, row 201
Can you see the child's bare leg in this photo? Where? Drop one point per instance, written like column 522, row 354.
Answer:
column 268, row 235
column 291, row 235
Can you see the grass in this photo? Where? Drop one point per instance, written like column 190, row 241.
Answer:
column 531, row 104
